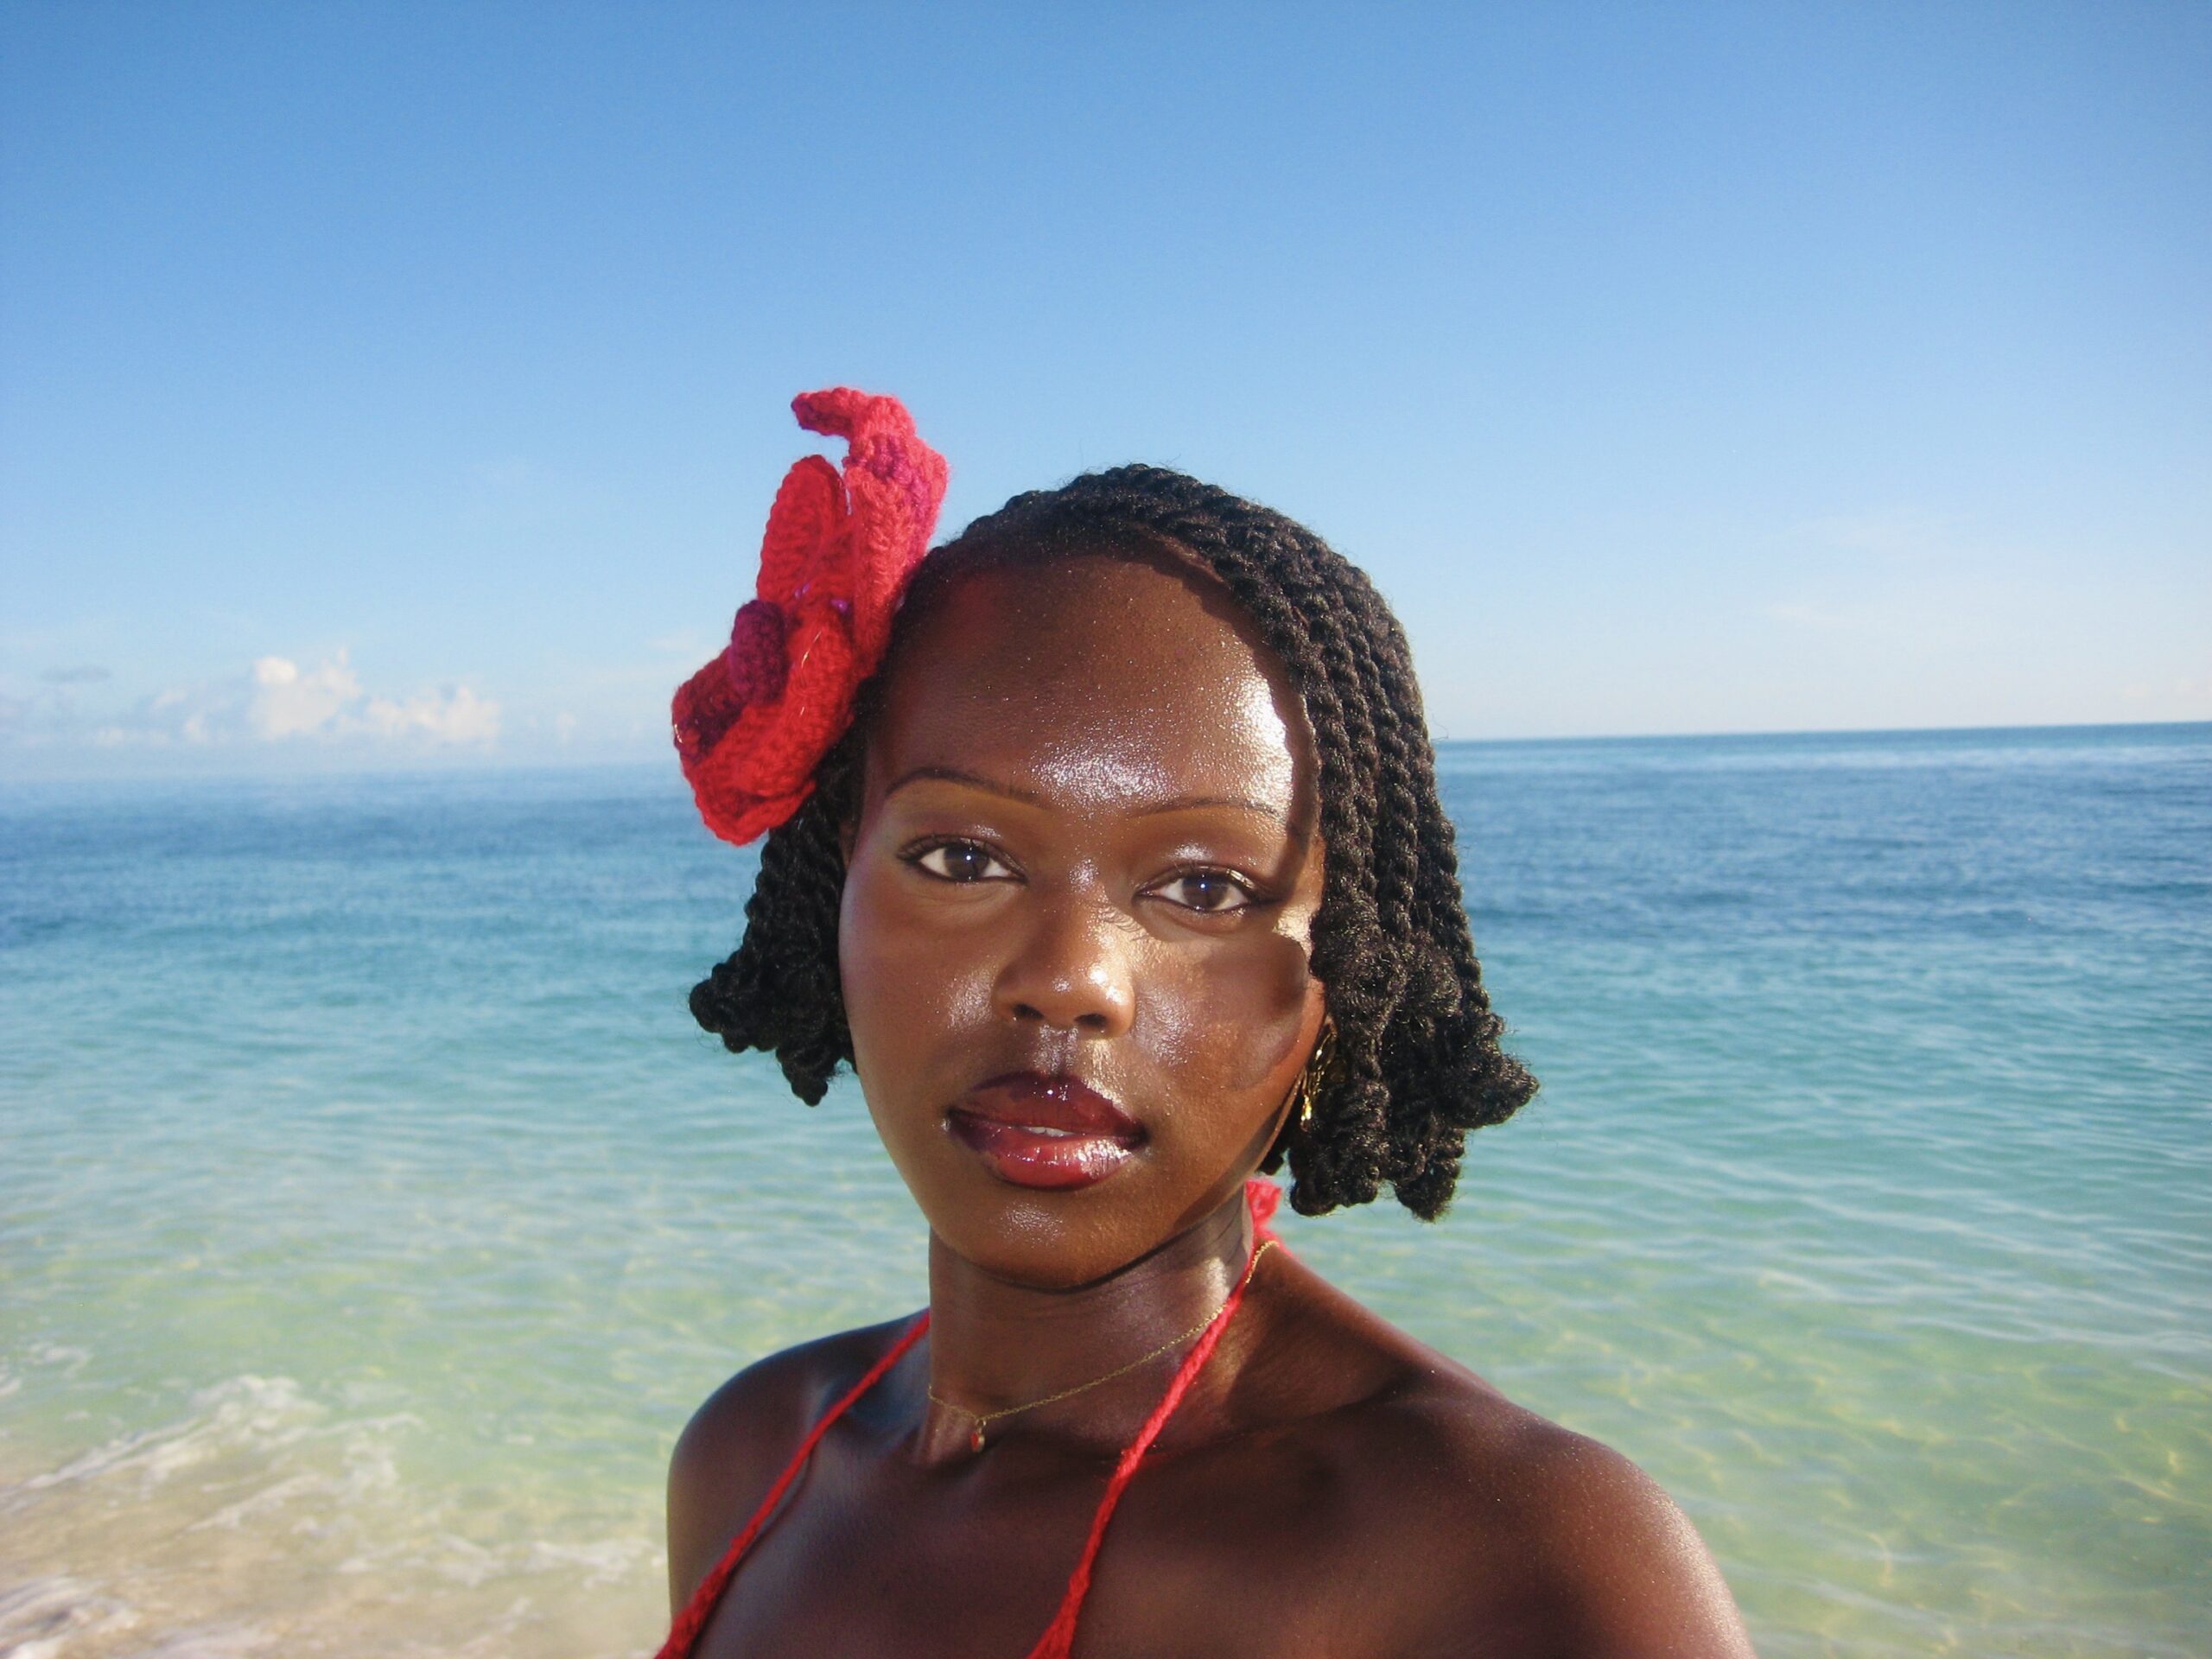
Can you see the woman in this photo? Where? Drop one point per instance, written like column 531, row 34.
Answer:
column 1116, row 871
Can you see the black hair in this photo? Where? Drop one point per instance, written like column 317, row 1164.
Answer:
column 1417, row 1062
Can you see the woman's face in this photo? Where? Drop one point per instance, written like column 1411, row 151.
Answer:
column 1077, row 911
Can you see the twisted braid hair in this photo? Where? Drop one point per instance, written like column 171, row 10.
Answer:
column 1417, row 1059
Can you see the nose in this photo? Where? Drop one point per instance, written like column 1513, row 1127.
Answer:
column 1070, row 972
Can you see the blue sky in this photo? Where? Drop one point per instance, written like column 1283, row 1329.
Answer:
column 389, row 384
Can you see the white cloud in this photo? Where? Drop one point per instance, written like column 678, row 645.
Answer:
column 276, row 700
column 452, row 714
column 288, row 704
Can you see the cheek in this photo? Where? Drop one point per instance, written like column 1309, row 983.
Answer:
column 1227, row 1025
column 905, row 985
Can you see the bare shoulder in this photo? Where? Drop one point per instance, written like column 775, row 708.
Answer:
column 1491, row 1529
column 1538, row 1535
column 737, row 1443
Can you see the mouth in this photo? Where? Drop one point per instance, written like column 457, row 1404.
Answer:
column 1047, row 1133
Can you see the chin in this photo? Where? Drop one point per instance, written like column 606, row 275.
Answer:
column 1059, row 1240
column 1050, row 1239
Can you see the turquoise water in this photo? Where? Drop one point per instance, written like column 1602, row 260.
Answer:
column 371, row 1215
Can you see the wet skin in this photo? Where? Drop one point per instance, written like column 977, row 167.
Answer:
column 1087, row 848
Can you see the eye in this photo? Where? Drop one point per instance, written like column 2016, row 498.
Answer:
column 959, row 860
column 1210, row 892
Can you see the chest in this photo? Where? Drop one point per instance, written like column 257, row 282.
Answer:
column 871, row 1555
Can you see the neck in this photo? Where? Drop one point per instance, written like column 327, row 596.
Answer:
column 995, row 1345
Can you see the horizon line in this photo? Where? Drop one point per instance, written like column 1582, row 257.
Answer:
column 422, row 764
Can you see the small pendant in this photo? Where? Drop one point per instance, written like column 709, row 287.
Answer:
column 976, row 1438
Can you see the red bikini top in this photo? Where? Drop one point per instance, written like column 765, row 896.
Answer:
column 1261, row 1198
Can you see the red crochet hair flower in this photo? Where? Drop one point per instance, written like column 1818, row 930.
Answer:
column 752, row 724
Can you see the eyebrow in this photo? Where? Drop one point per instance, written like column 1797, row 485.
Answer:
column 1029, row 798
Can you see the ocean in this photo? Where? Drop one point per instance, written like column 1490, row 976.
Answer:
column 372, row 1216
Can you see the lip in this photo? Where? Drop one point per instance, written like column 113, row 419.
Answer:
column 1048, row 1132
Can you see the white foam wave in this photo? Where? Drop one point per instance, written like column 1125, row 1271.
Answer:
column 38, row 1618
column 257, row 1415
column 263, row 1507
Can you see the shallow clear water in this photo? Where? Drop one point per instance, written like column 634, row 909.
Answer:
column 372, row 1217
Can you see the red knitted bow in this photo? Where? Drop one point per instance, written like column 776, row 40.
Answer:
column 752, row 724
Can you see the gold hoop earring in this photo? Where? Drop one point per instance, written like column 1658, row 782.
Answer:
column 1316, row 1071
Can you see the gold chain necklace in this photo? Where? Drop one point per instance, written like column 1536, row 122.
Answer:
column 979, row 1421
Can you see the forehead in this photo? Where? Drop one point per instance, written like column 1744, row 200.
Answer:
column 1109, row 682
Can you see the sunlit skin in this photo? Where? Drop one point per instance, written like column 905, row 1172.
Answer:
column 1086, row 848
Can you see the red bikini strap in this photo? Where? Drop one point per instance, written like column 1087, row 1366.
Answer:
column 693, row 1618
column 1261, row 1198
